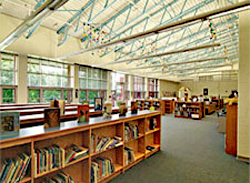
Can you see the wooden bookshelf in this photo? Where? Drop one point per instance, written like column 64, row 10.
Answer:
column 169, row 106
column 231, row 129
column 145, row 104
column 72, row 132
column 212, row 107
column 192, row 110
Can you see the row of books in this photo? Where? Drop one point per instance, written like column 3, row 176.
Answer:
column 131, row 131
column 150, row 124
column 100, row 168
column 59, row 178
column 129, row 155
column 13, row 170
column 101, row 143
column 55, row 156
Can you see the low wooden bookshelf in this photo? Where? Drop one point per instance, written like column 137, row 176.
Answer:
column 145, row 104
column 146, row 142
column 169, row 106
column 192, row 110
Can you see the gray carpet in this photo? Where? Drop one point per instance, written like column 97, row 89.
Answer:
column 192, row 151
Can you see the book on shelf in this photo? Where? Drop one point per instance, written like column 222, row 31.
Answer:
column 60, row 177
column 13, row 170
column 107, row 110
column 100, row 168
column 122, row 109
column 129, row 155
column 134, row 107
column 47, row 158
column 10, row 123
column 58, row 104
column 51, row 117
column 83, row 113
column 101, row 143
column 131, row 131
column 74, row 152
column 98, row 103
column 150, row 148
column 150, row 124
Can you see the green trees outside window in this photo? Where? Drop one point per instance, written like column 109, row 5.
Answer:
column 49, row 95
column 92, row 95
column 34, row 96
column 8, row 95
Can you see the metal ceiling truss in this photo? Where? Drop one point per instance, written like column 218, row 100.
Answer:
column 44, row 9
column 177, row 17
column 129, row 31
column 230, row 56
column 33, row 29
column 204, row 31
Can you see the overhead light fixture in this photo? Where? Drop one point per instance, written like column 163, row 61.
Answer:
column 41, row 13
column 162, row 54
column 175, row 63
column 244, row 8
column 175, row 25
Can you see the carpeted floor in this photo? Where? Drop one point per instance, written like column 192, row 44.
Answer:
column 192, row 151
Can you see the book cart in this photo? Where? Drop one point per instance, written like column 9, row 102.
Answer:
column 81, row 134
column 192, row 110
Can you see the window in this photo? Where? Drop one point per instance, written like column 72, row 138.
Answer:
column 139, row 87
column 34, row 96
column 92, row 95
column 49, row 80
column 153, row 88
column 8, row 95
column 49, row 95
column 82, row 96
column 8, row 74
column 92, row 83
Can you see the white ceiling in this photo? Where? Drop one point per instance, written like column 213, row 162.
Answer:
column 195, row 35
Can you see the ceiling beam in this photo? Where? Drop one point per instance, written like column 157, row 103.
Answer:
column 163, row 54
column 40, row 14
column 178, row 24
column 175, row 63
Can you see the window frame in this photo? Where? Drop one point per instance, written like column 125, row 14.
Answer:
column 41, row 100
column 155, row 86
column 14, row 87
column 137, row 92
column 88, row 77
column 9, row 86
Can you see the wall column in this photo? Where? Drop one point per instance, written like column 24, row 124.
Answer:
column 75, row 68
column 22, row 90
column 109, row 85
column 243, row 85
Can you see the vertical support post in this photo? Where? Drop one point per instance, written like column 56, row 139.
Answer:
column 22, row 89
column 243, row 85
column 76, row 84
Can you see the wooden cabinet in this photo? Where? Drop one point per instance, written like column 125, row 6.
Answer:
column 144, row 144
column 231, row 129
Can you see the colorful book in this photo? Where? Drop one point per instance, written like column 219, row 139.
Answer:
column 51, row 117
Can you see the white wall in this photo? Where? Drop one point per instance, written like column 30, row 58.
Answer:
column 244, row 75
column 215, row 88
column 169, row 86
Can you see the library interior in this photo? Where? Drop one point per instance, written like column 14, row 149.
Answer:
column 124, row 91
